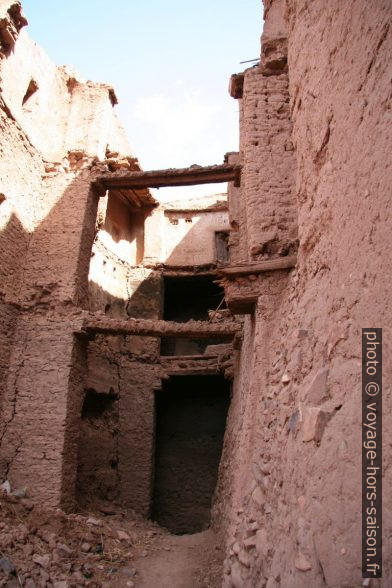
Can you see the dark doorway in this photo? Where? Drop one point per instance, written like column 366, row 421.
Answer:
column 188, row 298
column 97, row 476
column 191, row 419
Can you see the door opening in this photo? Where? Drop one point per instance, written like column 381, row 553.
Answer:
column 191, row 419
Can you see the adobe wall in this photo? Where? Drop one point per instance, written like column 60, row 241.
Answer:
column 117, row 442
column 32, row 84
column 48, row 213
column 267, row 156
column 191, row 241
column 182, row 233
column 293, row 448
column 238, row 236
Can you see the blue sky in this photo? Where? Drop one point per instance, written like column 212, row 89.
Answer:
column 169, row 62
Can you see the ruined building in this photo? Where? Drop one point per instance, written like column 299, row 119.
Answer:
column 166, row 357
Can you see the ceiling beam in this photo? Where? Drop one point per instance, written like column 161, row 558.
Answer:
column 158, row 328
column 265, row 265
column 189, row 176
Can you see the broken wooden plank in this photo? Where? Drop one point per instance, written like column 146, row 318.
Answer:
column 266, row 265
column 159, row 328
column 196, row 174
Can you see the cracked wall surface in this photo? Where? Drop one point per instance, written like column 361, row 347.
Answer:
column 294, row 449
column 47, row 216
column 315, row 125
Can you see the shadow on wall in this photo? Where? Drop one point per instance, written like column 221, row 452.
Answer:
column 194, row 237
column 121, row 289
column 124, row 227
column 144, row 300
column 98, row 448
column 45, row 272
column 14, row 240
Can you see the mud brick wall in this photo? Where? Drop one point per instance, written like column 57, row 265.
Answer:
column 268, row 165
column 137, row 434
column 238, row 236
column 21, row 169
column 117, row 465
column 42, row 400
column 47, row 226
column 44, row 383
column 295, row 514
column 97, row 470
column 58, row 257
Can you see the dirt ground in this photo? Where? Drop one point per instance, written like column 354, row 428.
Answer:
column 186, row 561
column 42, row 548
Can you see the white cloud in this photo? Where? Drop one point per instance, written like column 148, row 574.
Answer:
column 181, row 129
column 179, row 124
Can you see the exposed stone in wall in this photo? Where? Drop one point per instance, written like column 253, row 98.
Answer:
column 296, row 503
column 233, row 476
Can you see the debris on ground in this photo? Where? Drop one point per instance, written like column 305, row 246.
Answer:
column 42, row 547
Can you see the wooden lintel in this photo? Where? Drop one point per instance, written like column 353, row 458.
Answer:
column 266, row 265
column 172, row 177
column 159, row 328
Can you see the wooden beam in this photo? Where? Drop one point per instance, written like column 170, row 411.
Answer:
column 266, row 265
column 171, row 177
column 158, row 328
column 191, row 364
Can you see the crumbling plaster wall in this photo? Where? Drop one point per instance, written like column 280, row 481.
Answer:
column 116, row 467
column 296, row 498
column 130, row 366
column 48, row 214
column 80, row 111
